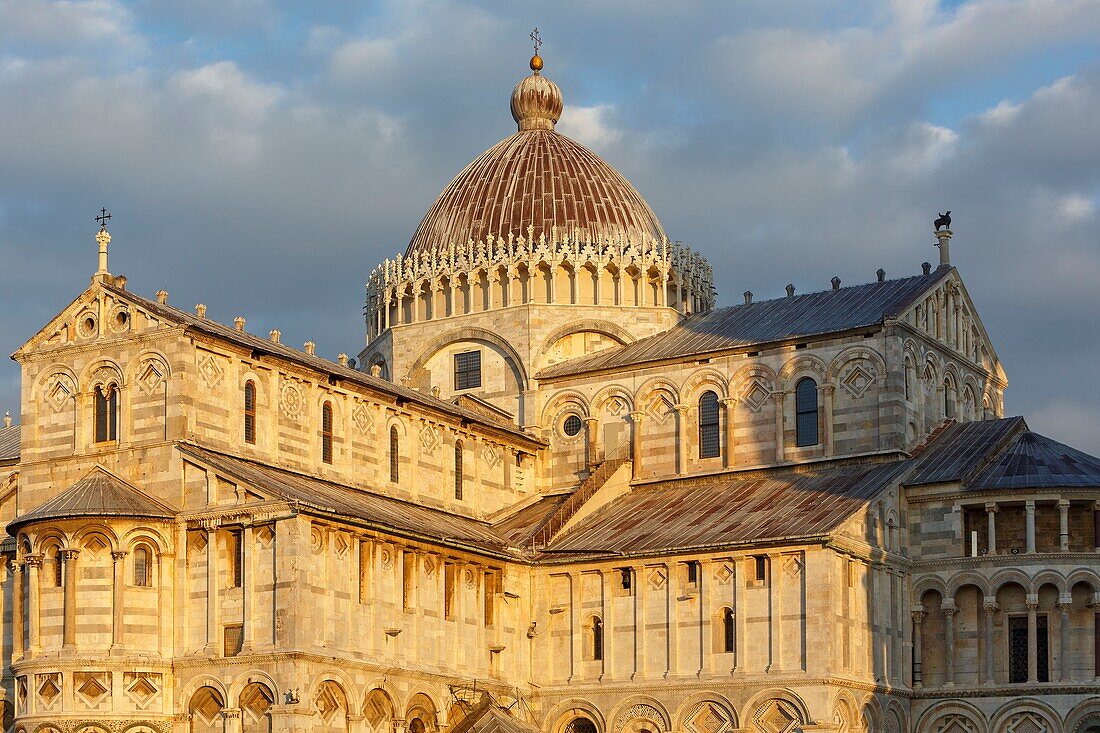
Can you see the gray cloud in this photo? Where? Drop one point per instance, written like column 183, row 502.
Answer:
column 789, row 144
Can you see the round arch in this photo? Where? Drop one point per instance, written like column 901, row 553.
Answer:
column 639, row 713
column 694, row 709
column 1083, row 717
column 588, row 325
column 1022, row 709
column 471, row 333
column 560, row 717
column 951, row 709
column 778, row 701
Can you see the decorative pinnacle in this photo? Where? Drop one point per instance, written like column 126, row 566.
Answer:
column 103, row 238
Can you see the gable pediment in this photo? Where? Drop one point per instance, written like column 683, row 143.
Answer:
column 97, row 314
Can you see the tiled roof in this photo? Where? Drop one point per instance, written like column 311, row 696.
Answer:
column 384, row 512
column 257, row 343
column 9, row 443
column 519, row 526
column 728, row 511
column 1035, row 461
column 962, row 448
column 766, row 321
column 99, row 494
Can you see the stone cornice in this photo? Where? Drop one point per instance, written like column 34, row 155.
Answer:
column 1043, row 559
column 1004, row 690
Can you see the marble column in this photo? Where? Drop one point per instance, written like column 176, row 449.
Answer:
column 1029, row 506
column 69, row 634
column 827, row 393
column 729, row 455
column 682, row 413
column 248, row 589
column 918, row 622
column 212, row 591
column 1065, row 604
column 17, row 592
column 780, row 399
column 1032, row 603
column 636, row 419
column 34, row 618
column 1063, row 525
column 991, row 609
column 592, row 434
column 118, row 599
column 991, row 521
column 949, row 610
column 232, row 718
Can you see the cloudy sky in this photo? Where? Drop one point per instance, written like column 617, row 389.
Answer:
column 262, row 158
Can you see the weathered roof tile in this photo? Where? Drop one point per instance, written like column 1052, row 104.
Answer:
column 99, row 494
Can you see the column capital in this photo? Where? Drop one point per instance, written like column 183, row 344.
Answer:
column 231, row 713
column 1029, row 505
column 729, row 401
column 637, row 416
column 591, row 419
column 1063, row 503
column 918, row 616
column 991, row 506
column 681, row 409
column 989, row 603
column 118, row 555
column 828, row 388
column 1031, row 601
column 949, row 608
column 68, row 553
column 779, row 395
column 1065, row 603
column 33, row 560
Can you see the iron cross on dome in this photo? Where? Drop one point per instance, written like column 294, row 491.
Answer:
column 536, row 39
column 103, row 218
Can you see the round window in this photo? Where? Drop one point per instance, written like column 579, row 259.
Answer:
column 572, row 425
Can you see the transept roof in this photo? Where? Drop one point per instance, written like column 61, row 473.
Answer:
column 9, row 443
column 762, row 322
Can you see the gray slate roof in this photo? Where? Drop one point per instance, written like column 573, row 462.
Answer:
column 9, row 443
column 267, row 346
column 763, row 322
column 99, row 494
column 962, row 448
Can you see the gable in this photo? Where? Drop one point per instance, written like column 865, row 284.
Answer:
column 931, row 315
column 98, row 314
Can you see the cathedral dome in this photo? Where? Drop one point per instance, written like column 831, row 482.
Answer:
column 536, row 179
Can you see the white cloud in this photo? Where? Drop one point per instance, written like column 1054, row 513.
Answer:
column 590, row 125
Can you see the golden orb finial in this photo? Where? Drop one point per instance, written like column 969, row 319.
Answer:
column 536, row 63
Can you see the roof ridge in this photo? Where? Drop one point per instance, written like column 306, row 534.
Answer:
column 998, row 449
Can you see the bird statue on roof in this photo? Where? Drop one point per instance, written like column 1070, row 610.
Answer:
column 944, row 221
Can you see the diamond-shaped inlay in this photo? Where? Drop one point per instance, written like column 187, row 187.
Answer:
column 142, row 690
column 776, row 716
column 491, row 456
column 210, row 371
column 151, row 376
column 956, row 724
column 207, row 704
column 58, row 395
column 341, row 544
column 657, row 577
column 429, row 566
column 361, row 417
column 429, row 439
column 660, row 408
column 857, row 380
column 755, row 396
column 1026, row 723
column 723, row 573
column 708, row 718
column 792, row 566
column 95, row 545
column 616, row 406
column 328, row 702
column 49, row 688
column 92, row 688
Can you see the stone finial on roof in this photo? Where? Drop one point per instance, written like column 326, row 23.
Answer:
column 342, row 359
column 238, row 323
column 880, row 275
column 162, row 297
column 836, row 282
column 926, row 267
column 376, row 370
column 748, row 297
column 310, row 348
column 274, row 334
column 103, row 238
column 790, row 290
column 200, row 310
column 120, row 282
column 7, row 418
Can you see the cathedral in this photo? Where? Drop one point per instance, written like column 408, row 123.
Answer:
column 557, row 491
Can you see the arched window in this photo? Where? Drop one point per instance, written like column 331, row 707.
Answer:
column 710, row 446
column 141, row 567
column 326, row 432
column 805, row 409
column 597, row 638
column 949, row 398
column 908, row 379
column 250, row 412
column 106, row 413
column 458, row 469
column 395, row 465
column 728, row 630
